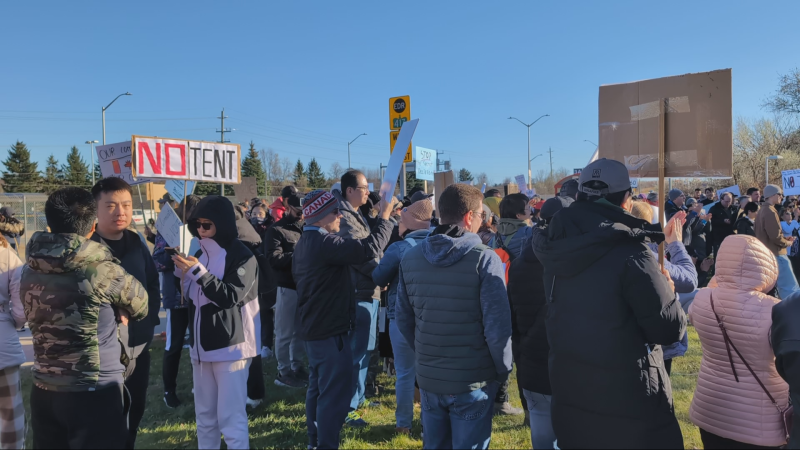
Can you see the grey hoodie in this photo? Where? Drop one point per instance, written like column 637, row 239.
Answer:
column 514, row 233
column 444, row 251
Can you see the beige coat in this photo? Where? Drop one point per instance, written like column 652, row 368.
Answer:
column 741, row 410
column 769, row 232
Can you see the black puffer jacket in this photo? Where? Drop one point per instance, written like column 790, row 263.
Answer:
column 719, row 229
column 610, row 308
column 279, row 244
column 528, row 313
column 250, row 238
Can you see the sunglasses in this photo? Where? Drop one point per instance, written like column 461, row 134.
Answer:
column 205, row 225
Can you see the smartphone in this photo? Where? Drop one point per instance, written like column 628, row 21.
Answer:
column 171, row 251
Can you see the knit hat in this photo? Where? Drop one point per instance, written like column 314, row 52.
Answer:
column 288, row 191
column 417, row 216
column 771, row 189
column 652, row 197
column 317, row 205
column 675, row 193
column 569, row 189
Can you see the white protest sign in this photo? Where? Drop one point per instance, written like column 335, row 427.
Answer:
column 530, row 193
column 176, row 190
column 115, row 161
column 734, row 190
column 396, row 159
column 521, row 183
column 425, row 163
column 179, row 159
column 483, row 189
column 169, row 226
column 791, row 182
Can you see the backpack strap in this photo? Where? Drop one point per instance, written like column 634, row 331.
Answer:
column 412, row 242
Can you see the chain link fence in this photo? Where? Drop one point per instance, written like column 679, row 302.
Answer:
column 29, row 209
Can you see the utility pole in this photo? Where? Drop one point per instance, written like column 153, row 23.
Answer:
column 550, row 150
column 437, row 160
column 222, row 140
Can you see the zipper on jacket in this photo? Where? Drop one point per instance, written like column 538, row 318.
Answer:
column 552, row 288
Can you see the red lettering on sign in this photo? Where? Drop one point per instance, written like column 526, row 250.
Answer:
column 155, row 162
column 167, row 154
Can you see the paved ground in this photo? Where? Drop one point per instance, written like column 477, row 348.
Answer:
column 27, row 343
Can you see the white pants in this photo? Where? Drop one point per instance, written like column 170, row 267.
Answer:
column 220, row 402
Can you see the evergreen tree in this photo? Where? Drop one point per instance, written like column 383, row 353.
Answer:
column 299, row 175
column 76, row 171
column 412, row 181
column 202, row 189
column 316, row 179
column 252, row 167
column 21, row 175
column 98, row 173
column 464, row 175
column 53, row 176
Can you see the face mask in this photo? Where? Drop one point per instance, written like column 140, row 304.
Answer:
column 259, row 220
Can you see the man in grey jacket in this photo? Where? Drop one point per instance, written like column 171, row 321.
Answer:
column 453, row 310
column 353, row 194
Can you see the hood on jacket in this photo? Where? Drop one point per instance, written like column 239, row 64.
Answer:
column 244, row 229
column 220, row 211
column 444, row 251
column 507, row 227
column 583, row 233
column 745, row 264
column 61, row 253
column 278, row 204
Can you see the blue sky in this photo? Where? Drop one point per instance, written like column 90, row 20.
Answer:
column 304, row 78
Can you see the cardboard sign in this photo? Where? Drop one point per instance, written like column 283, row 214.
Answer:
column 732, row 189
column 425, row 163
column 115, row 161
column 698, row 125
column 791, row 182
column 175, row 188
column 247, row 189
column 169, row 225
column 178, row 159
column 440, row 182
column 395, row 164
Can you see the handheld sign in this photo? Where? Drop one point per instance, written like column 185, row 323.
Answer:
column 175, row 188
column 396, row 160
column 791, row 182
column 734, row 190
column 169, row 226
column 179, row 159
column 425, row 163
column 520, row 179
column 483, row 189
column 115, row 161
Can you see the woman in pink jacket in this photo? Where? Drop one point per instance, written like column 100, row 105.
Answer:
column 730, row 405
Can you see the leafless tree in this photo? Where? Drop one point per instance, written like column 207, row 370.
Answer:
column 786, row 100
column 287, row 169
column 335, row 171
column 754, row 141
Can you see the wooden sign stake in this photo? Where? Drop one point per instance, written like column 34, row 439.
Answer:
column 661, row 163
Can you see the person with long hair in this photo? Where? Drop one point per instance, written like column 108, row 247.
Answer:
column 12, row 317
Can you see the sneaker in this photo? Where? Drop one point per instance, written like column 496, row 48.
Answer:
column 253, row 404
column 289, row 381
column 266, row 353
column 171, row 400
column 301, row 374
column 505, row 409
column 354, row 420
column 402, row 430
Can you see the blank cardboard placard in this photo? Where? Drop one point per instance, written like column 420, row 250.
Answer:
column 440, row 182
column 247, row 189
column 169, row 226
column 698, row 121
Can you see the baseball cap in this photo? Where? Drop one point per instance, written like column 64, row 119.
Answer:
column 554, row 205
column 569, row 188
column 604, row 176
column 420, row 195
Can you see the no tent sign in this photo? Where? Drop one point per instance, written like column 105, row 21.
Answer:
column 178, row 159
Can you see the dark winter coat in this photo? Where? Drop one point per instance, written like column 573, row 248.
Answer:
column 610, row 308
column 719, row 229
column 279, row 244
column 670, row 209
column 251, row 238
column 355, row 226
column 696, row 233
column 786, row 346
column 325, row 290
column 528, row 314
column 745, row 226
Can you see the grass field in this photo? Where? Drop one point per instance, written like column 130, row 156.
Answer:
column 280, row 421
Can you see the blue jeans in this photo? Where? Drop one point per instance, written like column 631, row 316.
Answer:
column 542, row 434
column 404, row 359
column 363, row 342
column 460, row 420
column 787, row 283
column 330, row 363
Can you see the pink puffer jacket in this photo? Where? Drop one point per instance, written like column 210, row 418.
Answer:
column 739, row 410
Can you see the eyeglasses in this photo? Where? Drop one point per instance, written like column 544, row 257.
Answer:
column 482, row 214
column 363, row 188
column 205, row 225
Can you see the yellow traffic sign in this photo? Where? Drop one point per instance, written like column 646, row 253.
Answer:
column 399, row 111
column 393, row 140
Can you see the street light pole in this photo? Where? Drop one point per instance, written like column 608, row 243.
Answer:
column 104, row 117
column 349, row 165
column 92, row 156
column 773, row 157
column 529, row 143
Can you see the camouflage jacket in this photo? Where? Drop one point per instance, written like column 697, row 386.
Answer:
column 70, row 288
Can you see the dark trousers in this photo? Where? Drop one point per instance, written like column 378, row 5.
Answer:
column 78, row 419
column 711, row 440
column 329, row 389
column 255, row 380
column 502, row 392
column 177, row 324
column 136, row 383
column 668, row 366
column 266, row 303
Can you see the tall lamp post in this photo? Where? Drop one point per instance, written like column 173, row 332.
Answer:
column 104, row 116
column 349, row 165
column 92, row 156
column 529, row 143
column 773, row 157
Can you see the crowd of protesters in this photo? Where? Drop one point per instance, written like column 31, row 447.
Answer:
column 569, row 291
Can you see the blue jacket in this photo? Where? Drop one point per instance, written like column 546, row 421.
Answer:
column 388, row 270
column 514, row 233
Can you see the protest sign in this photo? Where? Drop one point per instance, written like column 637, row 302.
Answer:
column 483, row 188
column 697, row 125
column 396, row 159
column 115, row 161
column 734, row 190
column 247, row 189
column 180, row 159
column 520, row 179
column 440, row 181
column 530, row 193
column 425, row 163
column 176, row 190
column 634, row 183
column 791, row 182
column 169, row 226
